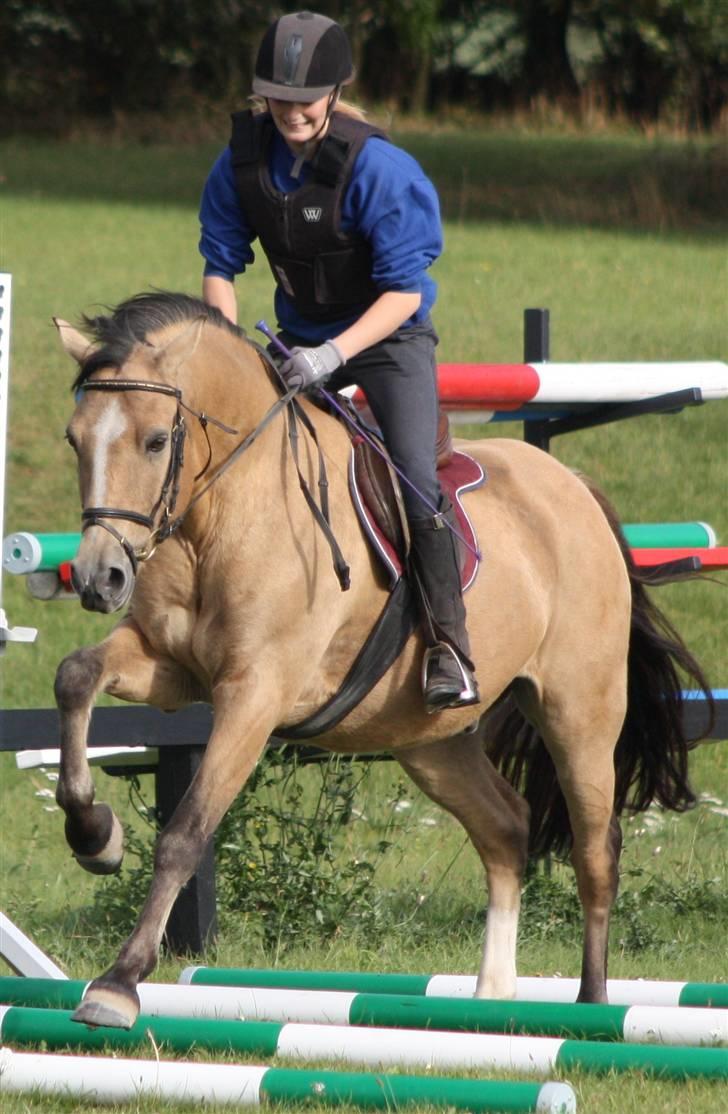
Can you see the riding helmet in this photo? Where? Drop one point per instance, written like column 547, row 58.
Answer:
column 302, row 57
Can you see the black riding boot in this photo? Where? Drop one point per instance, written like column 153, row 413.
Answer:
column 447, row 671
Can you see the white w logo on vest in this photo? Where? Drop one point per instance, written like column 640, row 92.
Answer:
column 312, row 213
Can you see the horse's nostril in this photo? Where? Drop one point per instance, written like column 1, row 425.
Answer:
column 116, row 579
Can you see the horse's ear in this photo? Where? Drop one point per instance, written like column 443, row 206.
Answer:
column 76, row 344
column 180, row 347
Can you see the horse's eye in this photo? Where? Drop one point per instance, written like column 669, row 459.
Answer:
column 157, row 443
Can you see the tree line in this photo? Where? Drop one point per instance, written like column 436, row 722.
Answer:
column 641, row 59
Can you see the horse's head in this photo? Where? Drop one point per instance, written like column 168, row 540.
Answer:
column 128, row 433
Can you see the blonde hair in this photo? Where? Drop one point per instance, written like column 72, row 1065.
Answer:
column 346, row 108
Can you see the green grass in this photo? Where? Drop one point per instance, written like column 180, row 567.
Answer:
column 624, row 241
column 610, row 180
column 432, row 883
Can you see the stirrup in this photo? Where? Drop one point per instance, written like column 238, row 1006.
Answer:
column 456, row 692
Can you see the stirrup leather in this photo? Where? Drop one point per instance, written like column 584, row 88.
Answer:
column 468, row 693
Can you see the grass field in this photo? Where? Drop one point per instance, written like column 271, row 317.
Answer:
column 624, row 241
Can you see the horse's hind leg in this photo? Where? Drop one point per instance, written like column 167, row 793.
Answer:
column 457, row 774
column 597, row 901
column 580, row 733
column 123, row 665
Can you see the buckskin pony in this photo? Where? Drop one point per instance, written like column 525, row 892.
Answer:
column 195, row 521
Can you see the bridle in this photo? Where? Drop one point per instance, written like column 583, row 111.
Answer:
column 161, row 521
column 166, row 502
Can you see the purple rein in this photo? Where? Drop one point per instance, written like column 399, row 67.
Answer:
column 264, row 328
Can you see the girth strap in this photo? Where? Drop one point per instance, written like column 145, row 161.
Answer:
column 381, row 649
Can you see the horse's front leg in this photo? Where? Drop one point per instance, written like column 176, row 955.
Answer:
column 123, row 665
column 457, row 774
column 242, row 726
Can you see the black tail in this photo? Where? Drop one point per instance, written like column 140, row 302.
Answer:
column 651, row 757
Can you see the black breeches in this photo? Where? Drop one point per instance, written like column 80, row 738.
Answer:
column 399, row 378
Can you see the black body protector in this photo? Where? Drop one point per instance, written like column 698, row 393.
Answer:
column 326, row 272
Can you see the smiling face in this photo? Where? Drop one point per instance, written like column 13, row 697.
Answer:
column 298, row 122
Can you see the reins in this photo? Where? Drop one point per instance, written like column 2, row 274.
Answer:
column 167, row 500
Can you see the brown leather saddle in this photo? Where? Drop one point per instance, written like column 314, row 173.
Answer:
column 376, row 493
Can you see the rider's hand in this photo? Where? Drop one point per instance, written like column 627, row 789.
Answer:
column 311, row 367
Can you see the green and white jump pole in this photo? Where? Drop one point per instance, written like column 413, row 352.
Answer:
column 670, row 535
column 622, row 992
column 26, row 552
column 105, row 1080
column 375, row 1048
column 634, row 1024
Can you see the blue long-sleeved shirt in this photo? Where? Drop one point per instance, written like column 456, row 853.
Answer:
column 389, row 202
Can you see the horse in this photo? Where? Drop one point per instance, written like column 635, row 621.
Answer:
column 195, row 523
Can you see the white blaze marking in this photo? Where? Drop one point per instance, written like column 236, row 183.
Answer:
column 109, row 429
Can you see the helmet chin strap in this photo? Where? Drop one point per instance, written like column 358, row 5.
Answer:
column 312, row 143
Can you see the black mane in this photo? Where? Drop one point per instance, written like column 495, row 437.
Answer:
column 134, row 320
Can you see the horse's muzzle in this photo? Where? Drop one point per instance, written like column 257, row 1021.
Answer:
column 105, row 588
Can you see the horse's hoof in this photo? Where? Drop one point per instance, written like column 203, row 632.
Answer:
column 109, row 1008
column 109, row 859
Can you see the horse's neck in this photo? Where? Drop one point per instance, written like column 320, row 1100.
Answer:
column 231, row 382
column 227, row 381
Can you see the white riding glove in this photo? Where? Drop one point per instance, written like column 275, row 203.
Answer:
column 311, row 367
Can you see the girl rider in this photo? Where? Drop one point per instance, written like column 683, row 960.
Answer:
column 350, row 224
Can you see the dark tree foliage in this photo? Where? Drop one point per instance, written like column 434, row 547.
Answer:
column 66, row 59
column 660, row 54
column 547, row 67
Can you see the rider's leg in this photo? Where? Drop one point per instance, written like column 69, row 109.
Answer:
column 447, row 676
column 399, row 378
